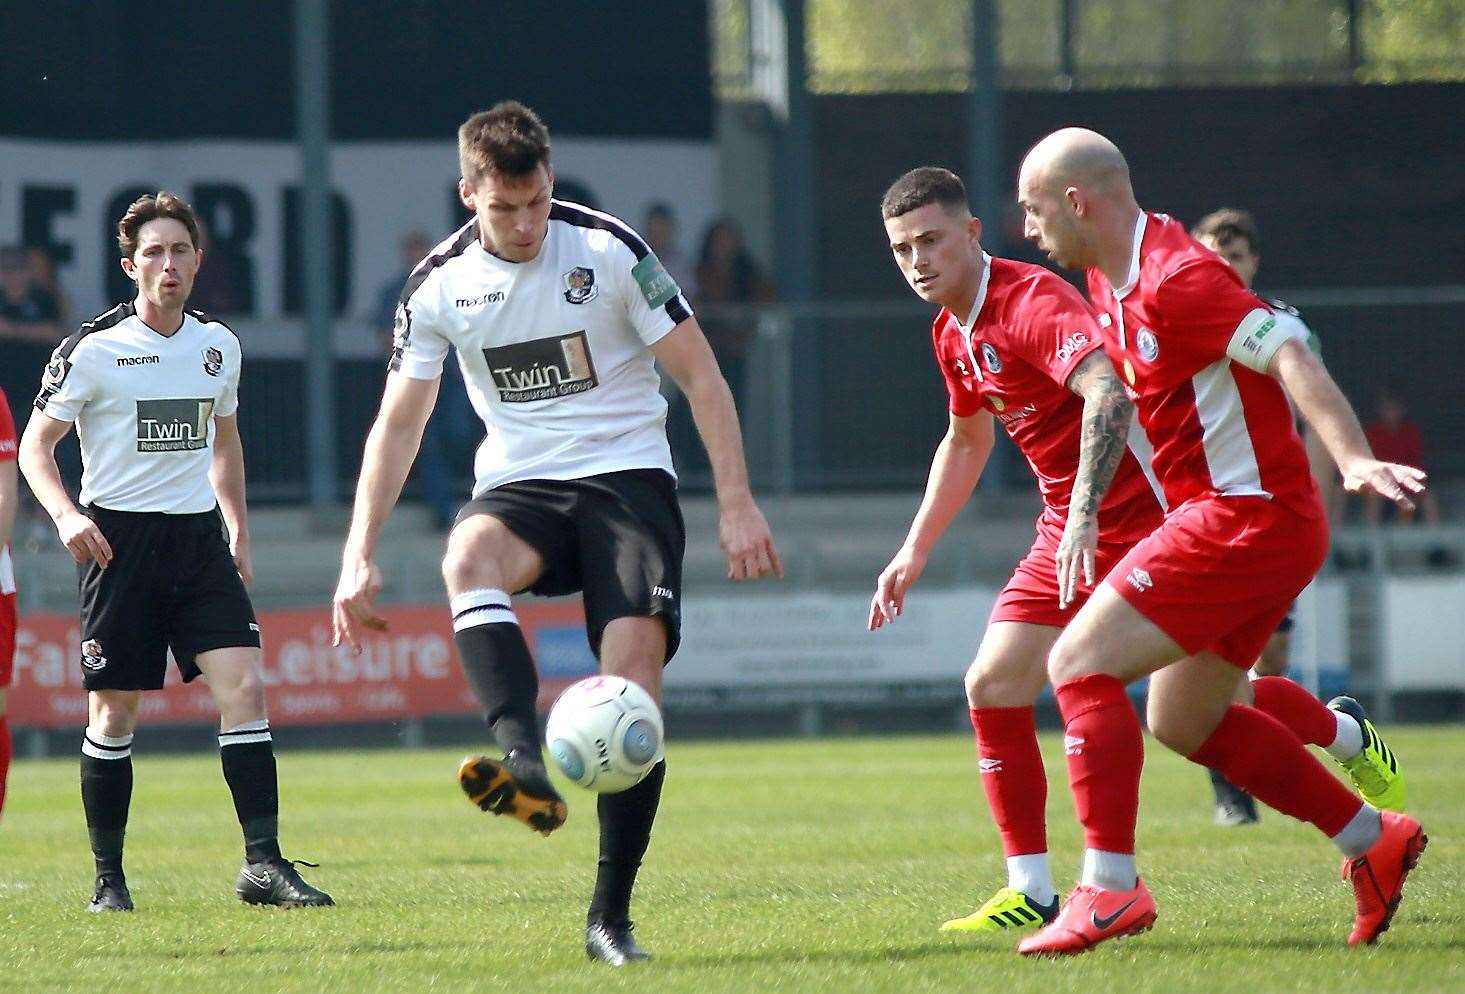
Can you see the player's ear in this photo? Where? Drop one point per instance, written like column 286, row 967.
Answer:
column 974, row 228
column 129, row 267
column 465, row 194
column 1075, row 200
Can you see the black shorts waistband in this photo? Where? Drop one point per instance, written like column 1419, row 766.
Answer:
column 97, row 510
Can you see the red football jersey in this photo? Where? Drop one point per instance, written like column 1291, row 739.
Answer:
column 8, row 447
column 1193, row 345
column 1031, row 330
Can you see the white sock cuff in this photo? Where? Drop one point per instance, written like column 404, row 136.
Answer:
column 250, row 731
column 99, row 746
column 1348, row 740
column 483, row 606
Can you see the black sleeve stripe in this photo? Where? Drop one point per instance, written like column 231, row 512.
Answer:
column 205, row 318
column 465, row 237
column 50, row 382
column 677, row 310
column 424, row 269
column 584, row 217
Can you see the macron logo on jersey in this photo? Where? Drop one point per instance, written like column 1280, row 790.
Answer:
column 138, row 360
column 1071, row 345
column 497, row 297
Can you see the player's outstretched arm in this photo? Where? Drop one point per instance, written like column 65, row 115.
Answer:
column 1331, row 416
column 955, row 469
column 80, row 534
column 742, row 531
column 226, row 475
column 391, row 445
column 1107, row 413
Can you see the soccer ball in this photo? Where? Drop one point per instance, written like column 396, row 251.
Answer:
column 604, row 733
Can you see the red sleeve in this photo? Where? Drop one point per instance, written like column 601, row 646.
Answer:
column 1202, row 304
column 1056, row 328
column 962, row 399
column 7, row 430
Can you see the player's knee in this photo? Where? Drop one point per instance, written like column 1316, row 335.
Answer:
column 472, row 562
column 114, row 715
column 1177, row 731
column 249, row 691
column 1000, row 684
column 1066, row 661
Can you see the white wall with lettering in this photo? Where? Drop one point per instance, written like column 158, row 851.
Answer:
column 69, row 195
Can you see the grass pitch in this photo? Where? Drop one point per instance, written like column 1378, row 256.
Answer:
column 776, row 866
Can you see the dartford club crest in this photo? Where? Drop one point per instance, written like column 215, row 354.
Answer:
column 91, row 655
column 56, row 372
column 213, row 361
column 1148, row 347
column 401, row 321
column 580, row 285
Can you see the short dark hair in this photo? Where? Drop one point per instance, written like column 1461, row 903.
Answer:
column 149, row 208
column 919, row 187
column 1227, row 225
column 506, row 140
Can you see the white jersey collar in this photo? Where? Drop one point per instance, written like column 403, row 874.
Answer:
column 971, row 319
column 1139, row 236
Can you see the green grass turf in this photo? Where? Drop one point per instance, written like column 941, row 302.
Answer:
column 788, row 866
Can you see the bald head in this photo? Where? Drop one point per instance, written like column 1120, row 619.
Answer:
column 1078, row 157
column 1077, row 201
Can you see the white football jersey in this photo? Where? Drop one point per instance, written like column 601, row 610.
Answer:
column 144, row 407
column 555, row 351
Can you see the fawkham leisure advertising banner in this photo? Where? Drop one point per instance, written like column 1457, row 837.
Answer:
column 409, row 671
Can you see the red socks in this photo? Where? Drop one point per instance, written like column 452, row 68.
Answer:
column 1105, row 751
column 4, row 757
column 1013, row 777
column 1291, row 704
column 1260, row 755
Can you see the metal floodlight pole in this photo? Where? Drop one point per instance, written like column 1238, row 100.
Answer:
column 312, row 113
column 985, row 161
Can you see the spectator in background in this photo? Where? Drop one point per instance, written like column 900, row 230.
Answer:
column 444, row 462
column 33, row 313
column 220, row 285
column 661, row 231
column 43, row 278
column 729, row 282
column 1395, row 438
column 27, row 311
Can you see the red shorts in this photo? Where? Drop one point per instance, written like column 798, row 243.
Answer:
column 1031, row 596
column 1221, row 572
column 7, row 637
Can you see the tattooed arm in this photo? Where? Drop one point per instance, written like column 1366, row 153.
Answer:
column 1106, row 416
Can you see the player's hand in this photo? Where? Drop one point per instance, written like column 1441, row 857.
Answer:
column 898, row 577
column 83, row 539
column 1076, row 552
column 747, row 542
column 1387, row 479
column 239, row 549
column 355, row 603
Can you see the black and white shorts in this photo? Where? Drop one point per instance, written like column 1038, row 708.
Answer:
column 171, row 585
column 617, row 537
